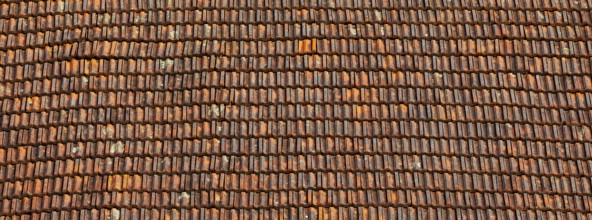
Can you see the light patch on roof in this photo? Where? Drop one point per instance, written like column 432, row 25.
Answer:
column 117, row 147
column 166, row 63
column 378, row 15
column 215, row 110
column 61, row 6
column 115, row 214
column 173, row 34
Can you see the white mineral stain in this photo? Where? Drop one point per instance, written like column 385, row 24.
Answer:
column 108, row 131
column 61, row 6
column 107, row 18
column 115, row 214
column 140, row 18
column 378, row 15
column 541, row 15
column 184, row 196
column 173, row 34
column 207, row 29
column 166, row 63
column 215, row 110
column 117, row 147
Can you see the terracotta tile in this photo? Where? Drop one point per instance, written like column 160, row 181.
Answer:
column 162, row 109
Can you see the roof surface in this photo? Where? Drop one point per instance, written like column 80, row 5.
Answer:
column 337, row 109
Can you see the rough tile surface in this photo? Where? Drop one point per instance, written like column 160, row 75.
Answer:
column 295, row 109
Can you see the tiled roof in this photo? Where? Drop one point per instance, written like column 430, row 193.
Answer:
column 322, row 109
